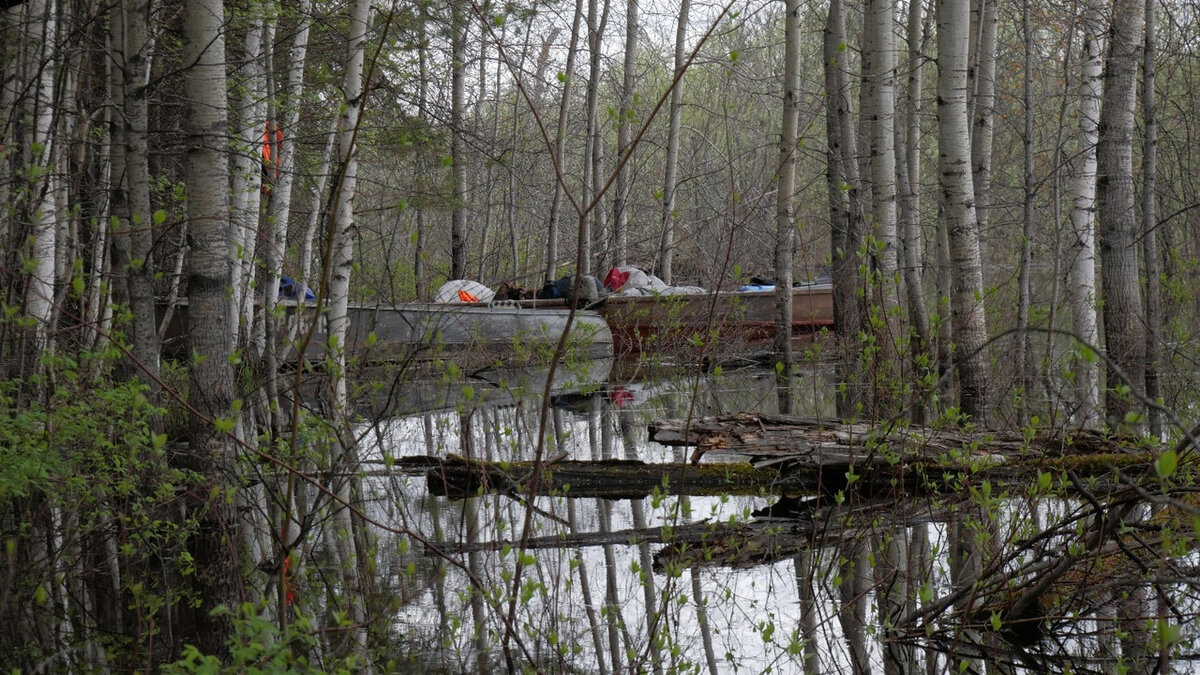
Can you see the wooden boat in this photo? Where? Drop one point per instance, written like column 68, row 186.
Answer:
column 471, row 336
column 707, row 325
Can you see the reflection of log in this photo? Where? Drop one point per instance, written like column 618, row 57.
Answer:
column 738, row 544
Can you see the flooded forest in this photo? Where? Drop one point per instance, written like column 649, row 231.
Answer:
column 748, row 336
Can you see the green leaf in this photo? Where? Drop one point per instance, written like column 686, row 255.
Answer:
column 1044, row 480
column 1166, row 463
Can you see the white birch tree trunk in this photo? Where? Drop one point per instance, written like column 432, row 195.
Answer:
column 881, row 118
column 209, row 307
column 342, row 244
column 560, row 142
column 39, row 293
column 246, row 171
column 279, row 204
column 908, row 179
column 625, row 113
column 969, row 323
column 667, row 219
column 1083, row 215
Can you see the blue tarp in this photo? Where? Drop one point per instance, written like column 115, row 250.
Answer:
column 287, row 289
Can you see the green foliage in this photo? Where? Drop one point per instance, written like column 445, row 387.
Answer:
column 257, row 647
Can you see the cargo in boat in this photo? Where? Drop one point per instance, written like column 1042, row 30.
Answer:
column 696, row 325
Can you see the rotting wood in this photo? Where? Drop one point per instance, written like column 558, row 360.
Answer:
column 458, row 478
column 816, row 441
column 868, row 476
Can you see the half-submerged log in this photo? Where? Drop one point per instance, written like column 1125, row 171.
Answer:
column 457, row 478
column 807, row 441
column 791, row 455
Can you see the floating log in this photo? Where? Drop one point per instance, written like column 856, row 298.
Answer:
column 458, row 478
column 807, row 441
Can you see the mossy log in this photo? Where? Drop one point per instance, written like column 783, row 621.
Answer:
column 457, row 478
column 804, row 456
column 808, row 441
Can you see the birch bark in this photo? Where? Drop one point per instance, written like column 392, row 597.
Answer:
column 342, row 247
column 1083, row 215
column 625, row 122
column 968, row 321
column 209, row 308
column 667, row 218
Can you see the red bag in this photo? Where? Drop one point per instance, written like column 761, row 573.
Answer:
column 615, row 280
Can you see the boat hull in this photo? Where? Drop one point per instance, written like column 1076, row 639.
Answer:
column 470, row 336
column 695, row 327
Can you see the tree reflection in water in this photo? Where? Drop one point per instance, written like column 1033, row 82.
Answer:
column 983, row 577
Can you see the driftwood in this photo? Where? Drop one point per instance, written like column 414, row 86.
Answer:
column 458, row 478
column 792, row 455
column 807, row 441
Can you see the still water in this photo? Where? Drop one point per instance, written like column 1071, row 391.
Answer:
column 875, row 588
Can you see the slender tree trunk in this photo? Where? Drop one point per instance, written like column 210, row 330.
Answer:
column 846, row 213
column 287, row 119
column 560, row 142
column 279, row 207
column 625, row 123
column 982, row 80
column 879, row 71
column 881, row 117
column 967, row 310
column 39, row 293
column 591, row 220
column 908, row 163
column 1024, row 300
column 247, row 170
column 785, row 226
column 420, row 282
column 342, row 248
column 136, row 51
column 1154, row 319
column 1083, row 215
column 209, row 310
column 458, row 155
column 666, row 249
column 1119, row 229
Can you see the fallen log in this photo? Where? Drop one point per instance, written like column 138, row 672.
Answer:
column 457, row 478
column 865, row 476
column 816, row 441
